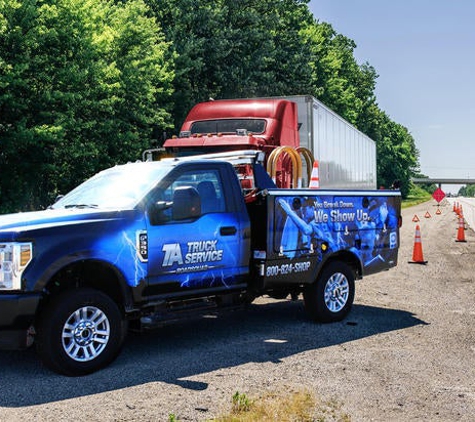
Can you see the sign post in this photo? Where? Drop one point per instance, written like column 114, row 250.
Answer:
column 438, row 195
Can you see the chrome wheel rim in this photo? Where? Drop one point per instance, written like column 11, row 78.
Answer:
column 337, row 291
column 85, row 334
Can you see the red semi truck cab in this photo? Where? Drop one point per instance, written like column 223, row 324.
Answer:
column 227, row 125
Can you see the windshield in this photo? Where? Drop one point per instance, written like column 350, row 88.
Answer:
column 228, row 126
column 118, row 187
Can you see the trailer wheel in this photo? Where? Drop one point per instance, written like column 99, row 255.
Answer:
column 80, row 332
column 330, row 297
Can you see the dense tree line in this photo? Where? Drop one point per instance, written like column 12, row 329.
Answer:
column 468, row 191
column 85, row 84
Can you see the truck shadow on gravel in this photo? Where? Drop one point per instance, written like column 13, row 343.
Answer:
column 261, row 333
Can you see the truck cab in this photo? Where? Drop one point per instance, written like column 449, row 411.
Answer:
column 227, row 125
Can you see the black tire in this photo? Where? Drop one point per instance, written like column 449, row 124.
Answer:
column 330, row 297
column 80, row 332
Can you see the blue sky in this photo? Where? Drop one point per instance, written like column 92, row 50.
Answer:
column 424, row 54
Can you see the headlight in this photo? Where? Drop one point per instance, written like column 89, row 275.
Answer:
column 14, row 257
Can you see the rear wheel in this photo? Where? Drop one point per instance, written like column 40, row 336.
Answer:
column 331, row 296
column 80, row 332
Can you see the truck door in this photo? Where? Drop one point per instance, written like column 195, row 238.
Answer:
column 204, row 248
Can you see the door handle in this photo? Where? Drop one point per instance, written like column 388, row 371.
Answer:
column 227, row 231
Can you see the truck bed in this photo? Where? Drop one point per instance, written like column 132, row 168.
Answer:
column 305, row 228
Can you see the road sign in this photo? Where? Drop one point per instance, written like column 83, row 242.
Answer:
column 438, row 195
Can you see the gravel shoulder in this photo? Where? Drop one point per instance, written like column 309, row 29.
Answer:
column 405, row 352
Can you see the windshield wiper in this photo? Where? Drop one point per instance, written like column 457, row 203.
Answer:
column 81, row 206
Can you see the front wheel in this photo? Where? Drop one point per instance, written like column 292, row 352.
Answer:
column 80, row 332
column 330, row 297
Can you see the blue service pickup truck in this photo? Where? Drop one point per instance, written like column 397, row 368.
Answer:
column 145, row 242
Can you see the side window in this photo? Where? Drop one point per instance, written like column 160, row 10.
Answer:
column 209, row 187
column 211, row 193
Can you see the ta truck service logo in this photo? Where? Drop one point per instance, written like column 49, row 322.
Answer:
column 197, row 256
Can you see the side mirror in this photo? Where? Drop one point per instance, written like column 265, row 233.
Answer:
column 186, row 203
column 162, row 206
column 158, row 212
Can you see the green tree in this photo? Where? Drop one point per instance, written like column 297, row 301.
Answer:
column 396, row 152
column 428, row 187
column 337, row 79
column 88, row 83
column 192, row 29
column 82, row 84
column 235, row 48
column 468, row 191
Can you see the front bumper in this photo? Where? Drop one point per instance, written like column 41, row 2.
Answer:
column 17, row 312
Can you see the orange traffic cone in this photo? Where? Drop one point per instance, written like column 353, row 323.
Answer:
column 461, row 230
column 314, row 178
column 417, row 256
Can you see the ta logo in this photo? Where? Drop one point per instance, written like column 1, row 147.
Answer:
column 173, row 255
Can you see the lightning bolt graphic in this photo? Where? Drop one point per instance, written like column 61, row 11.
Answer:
column 128, row 253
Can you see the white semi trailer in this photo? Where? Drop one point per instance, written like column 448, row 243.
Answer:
column 346, row 156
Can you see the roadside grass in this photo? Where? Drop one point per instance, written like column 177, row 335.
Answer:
column 293, row 406
column 416, row 196
column 301, row 406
